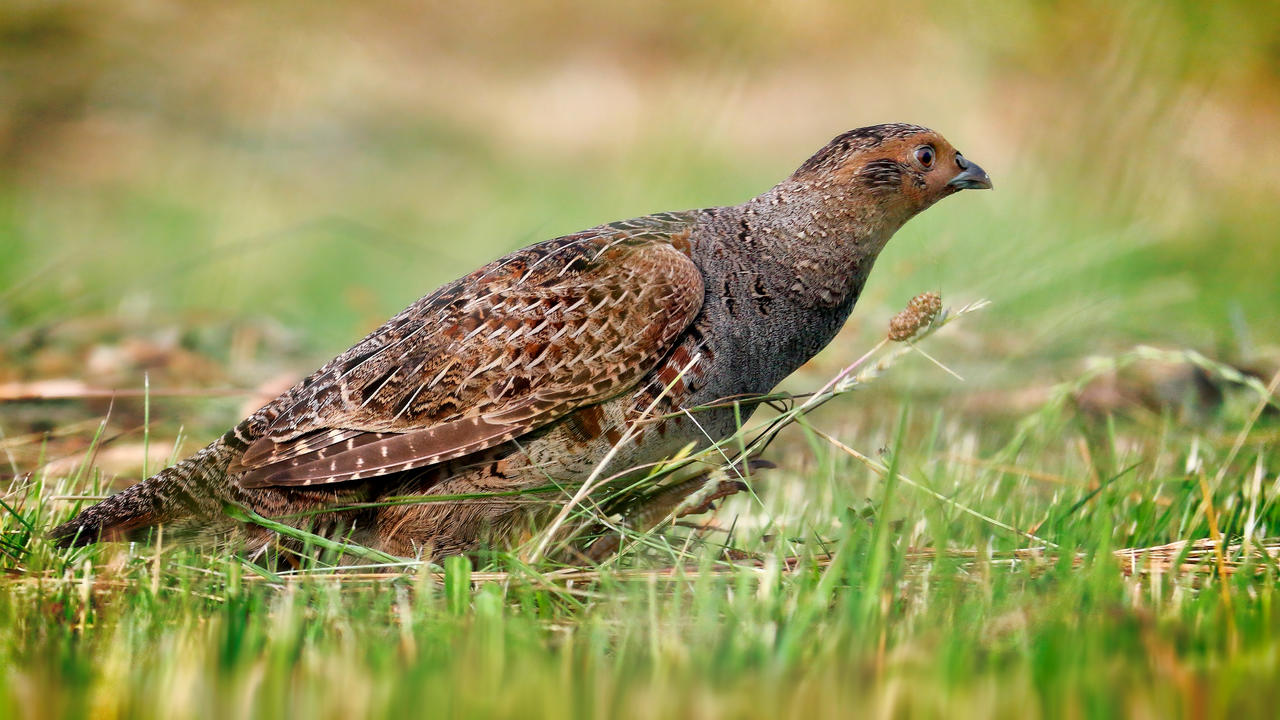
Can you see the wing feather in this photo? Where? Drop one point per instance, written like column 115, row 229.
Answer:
column 499, row 353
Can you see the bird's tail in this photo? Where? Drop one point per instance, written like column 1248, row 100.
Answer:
column 187, row 490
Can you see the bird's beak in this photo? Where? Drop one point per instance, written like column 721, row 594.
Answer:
column 971, row 178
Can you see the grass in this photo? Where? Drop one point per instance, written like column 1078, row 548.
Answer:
column 911, row 596
column 194, row 209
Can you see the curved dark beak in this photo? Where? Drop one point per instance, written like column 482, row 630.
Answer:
column 971, row 178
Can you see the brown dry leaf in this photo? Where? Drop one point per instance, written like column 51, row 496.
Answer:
column 54, row 388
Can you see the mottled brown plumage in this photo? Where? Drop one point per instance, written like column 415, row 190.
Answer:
column 507, row 350
column 510, row 385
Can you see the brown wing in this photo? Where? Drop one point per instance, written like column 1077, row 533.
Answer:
column 490, row 357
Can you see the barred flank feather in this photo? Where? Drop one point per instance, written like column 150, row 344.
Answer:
column 185, row 490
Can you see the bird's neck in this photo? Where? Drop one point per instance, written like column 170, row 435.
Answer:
column 819, row 242
column 783, row 272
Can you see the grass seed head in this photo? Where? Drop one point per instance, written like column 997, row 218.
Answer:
column 921, row 311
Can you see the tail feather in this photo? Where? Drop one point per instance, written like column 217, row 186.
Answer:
column 189, row 489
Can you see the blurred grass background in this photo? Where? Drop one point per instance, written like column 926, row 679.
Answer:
column 324, row 165
column 224, row 195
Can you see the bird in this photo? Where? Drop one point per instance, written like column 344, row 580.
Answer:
column 467, row 420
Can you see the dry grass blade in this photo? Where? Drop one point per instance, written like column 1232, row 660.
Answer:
column 1184, row 558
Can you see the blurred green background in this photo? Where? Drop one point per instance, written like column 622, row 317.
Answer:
column 261, row 183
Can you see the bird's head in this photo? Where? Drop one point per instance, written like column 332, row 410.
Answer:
column 900, row 169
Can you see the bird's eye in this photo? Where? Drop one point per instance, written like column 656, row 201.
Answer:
column 924, row 154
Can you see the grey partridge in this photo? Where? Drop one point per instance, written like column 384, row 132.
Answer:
column 443, row 428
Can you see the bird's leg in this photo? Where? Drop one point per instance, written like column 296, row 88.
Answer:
column 693, row 496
